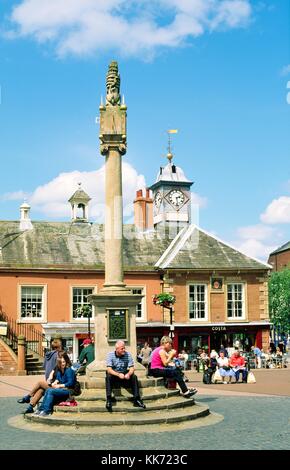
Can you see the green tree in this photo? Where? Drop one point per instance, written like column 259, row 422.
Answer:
column 279, row 300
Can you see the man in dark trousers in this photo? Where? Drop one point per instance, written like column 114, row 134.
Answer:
column 120, row 372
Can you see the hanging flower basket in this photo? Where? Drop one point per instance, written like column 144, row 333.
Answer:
column 84, row 311
column 164, row 299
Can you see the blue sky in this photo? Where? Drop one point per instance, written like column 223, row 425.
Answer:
column 217, row 70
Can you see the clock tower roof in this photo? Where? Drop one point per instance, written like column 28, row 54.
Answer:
column 171, row 174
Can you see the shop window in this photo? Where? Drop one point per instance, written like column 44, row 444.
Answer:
column 198, row 302
column 236, row 301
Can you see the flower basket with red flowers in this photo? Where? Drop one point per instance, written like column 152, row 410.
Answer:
column 164, row 299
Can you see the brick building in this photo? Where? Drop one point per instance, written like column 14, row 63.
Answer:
column 280, row 258
column 47, row 270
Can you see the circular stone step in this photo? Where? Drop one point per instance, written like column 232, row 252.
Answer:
column 149, row 393
column 118, row 419
column 127, row 407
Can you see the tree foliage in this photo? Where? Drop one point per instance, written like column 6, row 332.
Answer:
column 279, row 300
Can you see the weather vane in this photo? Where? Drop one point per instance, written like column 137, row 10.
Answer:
column 169, row 132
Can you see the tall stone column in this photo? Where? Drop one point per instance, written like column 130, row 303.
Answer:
column 115, row 305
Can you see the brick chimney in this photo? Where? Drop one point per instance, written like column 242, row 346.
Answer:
column 143, row 210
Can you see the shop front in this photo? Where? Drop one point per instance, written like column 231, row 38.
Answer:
column 72, row 336
column 195, row 337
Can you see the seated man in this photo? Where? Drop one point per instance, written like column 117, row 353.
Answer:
column 237, row 362
column 162, row 357
column 86, row 356
column 120, row 372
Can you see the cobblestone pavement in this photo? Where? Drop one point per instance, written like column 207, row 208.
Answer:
column 250, row 422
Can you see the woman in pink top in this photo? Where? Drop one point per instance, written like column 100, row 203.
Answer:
column 161, row 358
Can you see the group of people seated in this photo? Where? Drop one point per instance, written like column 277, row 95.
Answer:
column 229, row 367
column 60, row 377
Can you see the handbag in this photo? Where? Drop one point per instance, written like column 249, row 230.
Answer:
column 76, row 391
column 251, row 378
column 226, row 368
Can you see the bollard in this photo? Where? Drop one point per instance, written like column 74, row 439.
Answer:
column 21, row 366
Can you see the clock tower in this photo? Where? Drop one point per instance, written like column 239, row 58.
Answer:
column 171, row 197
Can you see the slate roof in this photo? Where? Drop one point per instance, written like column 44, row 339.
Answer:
column 282, row 248
column 66, row 245
column 193, row 248
column 80, row 246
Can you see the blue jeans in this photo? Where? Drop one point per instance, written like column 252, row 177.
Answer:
column 53, row 396
column 244, row 373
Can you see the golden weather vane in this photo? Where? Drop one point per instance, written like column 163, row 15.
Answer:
column 169, row 132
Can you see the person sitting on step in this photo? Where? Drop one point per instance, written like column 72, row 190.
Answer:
column 37, row 392
column 62, row 382
column 120, row 372
column 162, row 358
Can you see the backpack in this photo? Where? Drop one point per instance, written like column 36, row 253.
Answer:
column 207, row 377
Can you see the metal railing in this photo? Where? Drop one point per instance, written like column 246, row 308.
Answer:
column 34, row 339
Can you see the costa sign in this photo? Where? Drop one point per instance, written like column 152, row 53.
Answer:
column 218, row 328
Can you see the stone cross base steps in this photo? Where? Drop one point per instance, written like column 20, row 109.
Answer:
column 163, row 406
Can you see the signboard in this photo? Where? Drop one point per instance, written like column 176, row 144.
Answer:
column 3, row 328
column 117, row 324
column 219, row 328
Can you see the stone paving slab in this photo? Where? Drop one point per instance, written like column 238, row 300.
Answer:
column 254, row 423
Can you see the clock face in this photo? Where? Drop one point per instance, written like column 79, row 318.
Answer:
column 176, row 197
column 157, row 199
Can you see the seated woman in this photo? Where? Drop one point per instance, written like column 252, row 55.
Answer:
column 62, row 380
column 278, row 357
column 224, row 368
column 162, row 357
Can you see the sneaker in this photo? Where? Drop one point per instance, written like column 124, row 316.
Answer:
column 225, row 382
column 44, row 413
column 190, row 393
column 37, row 413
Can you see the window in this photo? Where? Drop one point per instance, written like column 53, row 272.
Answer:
column 32, row 302
column 80, row 299
column 236, row 301
column 140, row 308
column 198, row 302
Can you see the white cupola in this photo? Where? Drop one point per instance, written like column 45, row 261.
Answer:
column 79, row 205
column 25, row 222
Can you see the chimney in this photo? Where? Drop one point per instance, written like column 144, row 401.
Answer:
column 25, row 222
column 143, row 211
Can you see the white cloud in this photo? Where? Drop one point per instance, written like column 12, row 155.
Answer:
column 200, row 201
column 285, row 70
column 257, row 232
column 258, row 241
column 277, row 212
column 88, row 26
column 51, row 199
column 256, row 249
column 14, row 196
